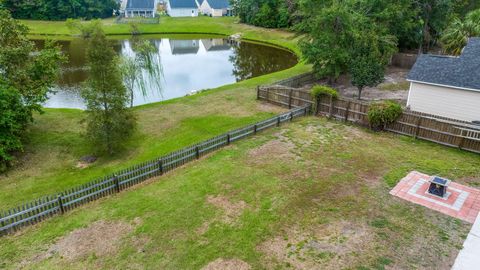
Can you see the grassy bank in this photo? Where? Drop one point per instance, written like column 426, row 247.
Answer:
column 186, row 25
column 309, row 195
column 54, row 143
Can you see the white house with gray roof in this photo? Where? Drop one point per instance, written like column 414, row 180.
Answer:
column 141, row 8
column 216, row 8
column 182, row 8
column 447, row 86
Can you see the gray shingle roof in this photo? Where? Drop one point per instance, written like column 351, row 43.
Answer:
column 141, row 4
column 183, row 4
column 461, row 72
column 219, row 4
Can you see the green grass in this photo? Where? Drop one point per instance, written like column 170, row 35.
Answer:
column 314, row 197
column 54, row 143
column 400, row 86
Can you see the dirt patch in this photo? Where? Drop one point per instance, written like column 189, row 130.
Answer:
column 280, row 148
column 224, row 264
column 393, row 76
column 331, row 246
column 232, row 210
column 203, row 228
column 100, row 238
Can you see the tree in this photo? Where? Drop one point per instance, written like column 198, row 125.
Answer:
column 60, row 9
column 26, row 76
column 370, row 54
column 14, row 118
column 265, row 13
column 458, row 32
column 142, row 68
column 328, row 40
column 109, row 122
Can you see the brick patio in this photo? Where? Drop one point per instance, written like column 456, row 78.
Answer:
column 461, row 201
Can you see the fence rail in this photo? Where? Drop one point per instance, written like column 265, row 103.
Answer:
column 40, row 209
column 449, row 132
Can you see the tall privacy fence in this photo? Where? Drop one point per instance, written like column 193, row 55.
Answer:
column 449, row 132
column 37, row 210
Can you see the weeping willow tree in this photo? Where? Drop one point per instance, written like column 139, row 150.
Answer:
column 458, row 32
column 143, row 70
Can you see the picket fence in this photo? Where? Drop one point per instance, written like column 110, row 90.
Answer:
column 42, row 208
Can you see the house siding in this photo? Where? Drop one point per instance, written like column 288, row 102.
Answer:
column 182, row 12
column 444, row 101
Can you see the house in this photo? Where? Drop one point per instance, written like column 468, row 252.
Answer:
column 447, row 86
column 216, row 44
column 184, row 46
column 140, row 8
column 216, row 8
column 182, row 8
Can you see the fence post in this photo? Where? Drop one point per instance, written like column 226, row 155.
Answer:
column 197, row 152
column 417, row 129
column 331, row 107
column 317, row 105
column 117, row 183
column 347, row 111
column 160, row 166
column 290, row 99
column 462, row 140
column 255, row 128
column 258, row 92
column 60, row 204
column 278, row 121
column 228, row 139
column 291, row 116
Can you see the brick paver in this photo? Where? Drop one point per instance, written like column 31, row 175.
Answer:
column 461, row 201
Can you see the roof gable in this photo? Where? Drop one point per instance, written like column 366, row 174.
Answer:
column 183, row 4
column 459, row 72
column 141, row 4
column 219, row 4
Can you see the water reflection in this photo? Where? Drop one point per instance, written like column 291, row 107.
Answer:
column 186, row 65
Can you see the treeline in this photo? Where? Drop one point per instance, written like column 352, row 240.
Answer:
column 60, row 9
column 415, row 24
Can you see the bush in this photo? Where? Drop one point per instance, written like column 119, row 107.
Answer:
column 14, row 118
column 383, row 113
column 322, row 90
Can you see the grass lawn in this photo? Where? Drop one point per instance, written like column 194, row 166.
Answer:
column 312, row 194
column 54, row 143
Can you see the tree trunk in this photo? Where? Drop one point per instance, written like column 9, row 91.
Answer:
column 360, row 89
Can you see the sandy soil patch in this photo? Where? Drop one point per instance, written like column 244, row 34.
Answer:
column 224, row 264
column 329, row 246
column 280, row 148
column 232, row 210
column 100, row 238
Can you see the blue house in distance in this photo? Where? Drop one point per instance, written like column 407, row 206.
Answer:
column 141, row 8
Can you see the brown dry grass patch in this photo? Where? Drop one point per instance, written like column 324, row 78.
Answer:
column 224, row 264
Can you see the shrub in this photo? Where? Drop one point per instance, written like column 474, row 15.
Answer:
column 14, row 117
column 383, row 113
column 322, row 90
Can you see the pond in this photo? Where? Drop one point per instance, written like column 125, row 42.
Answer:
column 187, row 65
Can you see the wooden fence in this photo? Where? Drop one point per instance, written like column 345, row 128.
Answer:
column 37, row 210
column 440, row 130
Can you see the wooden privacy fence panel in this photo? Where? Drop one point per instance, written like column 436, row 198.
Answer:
column 35, row 211
column 445, row 131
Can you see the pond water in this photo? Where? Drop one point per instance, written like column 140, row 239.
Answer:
column 187, row 65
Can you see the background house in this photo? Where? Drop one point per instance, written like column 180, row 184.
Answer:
column 215, row 8
column 182, row 8
column 447, row 86
column 184, row 46
column 140, row 8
